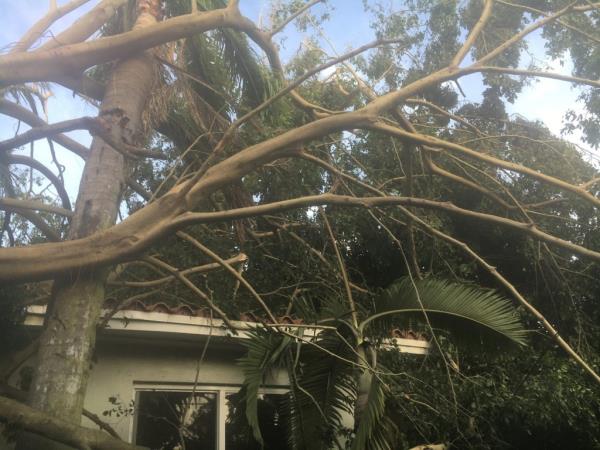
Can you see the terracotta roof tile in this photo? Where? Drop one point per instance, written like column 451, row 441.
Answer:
column 247, row 316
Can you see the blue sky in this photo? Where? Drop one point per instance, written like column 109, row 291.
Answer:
column 544, row 100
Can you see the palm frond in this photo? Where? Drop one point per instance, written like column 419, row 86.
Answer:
column 266, row 350
column 323, row 391
column 466, row 311
column 374, row 428
column 215, row 76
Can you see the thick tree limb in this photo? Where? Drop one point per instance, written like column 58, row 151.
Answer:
column 86, row 25
column 143, row 228
column 16, row 204
column 54, row 63
column 38, row 29
column 26, row 418
column 21, row 396
column 131, row 236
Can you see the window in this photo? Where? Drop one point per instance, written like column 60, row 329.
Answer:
column 166, row 418
column 271, row 416
column 206, row 418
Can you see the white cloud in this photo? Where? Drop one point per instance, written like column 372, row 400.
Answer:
column 548, row 100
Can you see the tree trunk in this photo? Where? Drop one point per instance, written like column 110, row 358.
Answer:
column 68, row 338
column 366, row 354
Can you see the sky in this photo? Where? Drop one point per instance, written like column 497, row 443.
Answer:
column 545, row 100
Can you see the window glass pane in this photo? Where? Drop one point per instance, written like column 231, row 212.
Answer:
column 164, row 419
column 272, row 419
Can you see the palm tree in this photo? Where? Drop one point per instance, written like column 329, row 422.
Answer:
column 336, row 373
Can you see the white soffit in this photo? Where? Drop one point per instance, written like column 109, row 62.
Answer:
column 160, row 324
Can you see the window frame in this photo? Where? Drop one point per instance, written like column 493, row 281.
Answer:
column 221, row 391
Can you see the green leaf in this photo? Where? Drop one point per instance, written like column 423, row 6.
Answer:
column 470, row 313
column 266, row 349
column 374, row 427
column 323, row 391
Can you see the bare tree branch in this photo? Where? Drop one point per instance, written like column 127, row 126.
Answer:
column 95, row 125
column 56, row 182
column 31, row 119
column 229, row 269
column 53, row 63
column 38, row 29
column 192, row 270
column 297, row 13
column 179, row 276
column 439, row 143
column 474, row 34
column 367, row 202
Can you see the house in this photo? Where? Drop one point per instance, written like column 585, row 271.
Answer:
column 156, row 367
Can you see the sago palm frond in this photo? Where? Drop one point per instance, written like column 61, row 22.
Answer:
column 465, row 311
column 323, row 390
column 374, row 427
column 266, row 350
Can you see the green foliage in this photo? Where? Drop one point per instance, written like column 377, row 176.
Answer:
column 470, row 313
column 323, row 390
column 505, row 402
column 265, row 352
column 11, row 311
column 324, row 381
column 375, row 429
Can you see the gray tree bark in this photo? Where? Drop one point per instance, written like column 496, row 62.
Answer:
column 68, row 338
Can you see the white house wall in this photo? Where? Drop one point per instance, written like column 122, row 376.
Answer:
column 146, row 350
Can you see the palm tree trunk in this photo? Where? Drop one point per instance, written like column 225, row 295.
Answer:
column 68, row 338
column 366, row 354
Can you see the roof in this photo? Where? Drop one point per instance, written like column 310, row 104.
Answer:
column 159, row 321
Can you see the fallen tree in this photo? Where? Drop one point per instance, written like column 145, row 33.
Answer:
column 436, row 140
